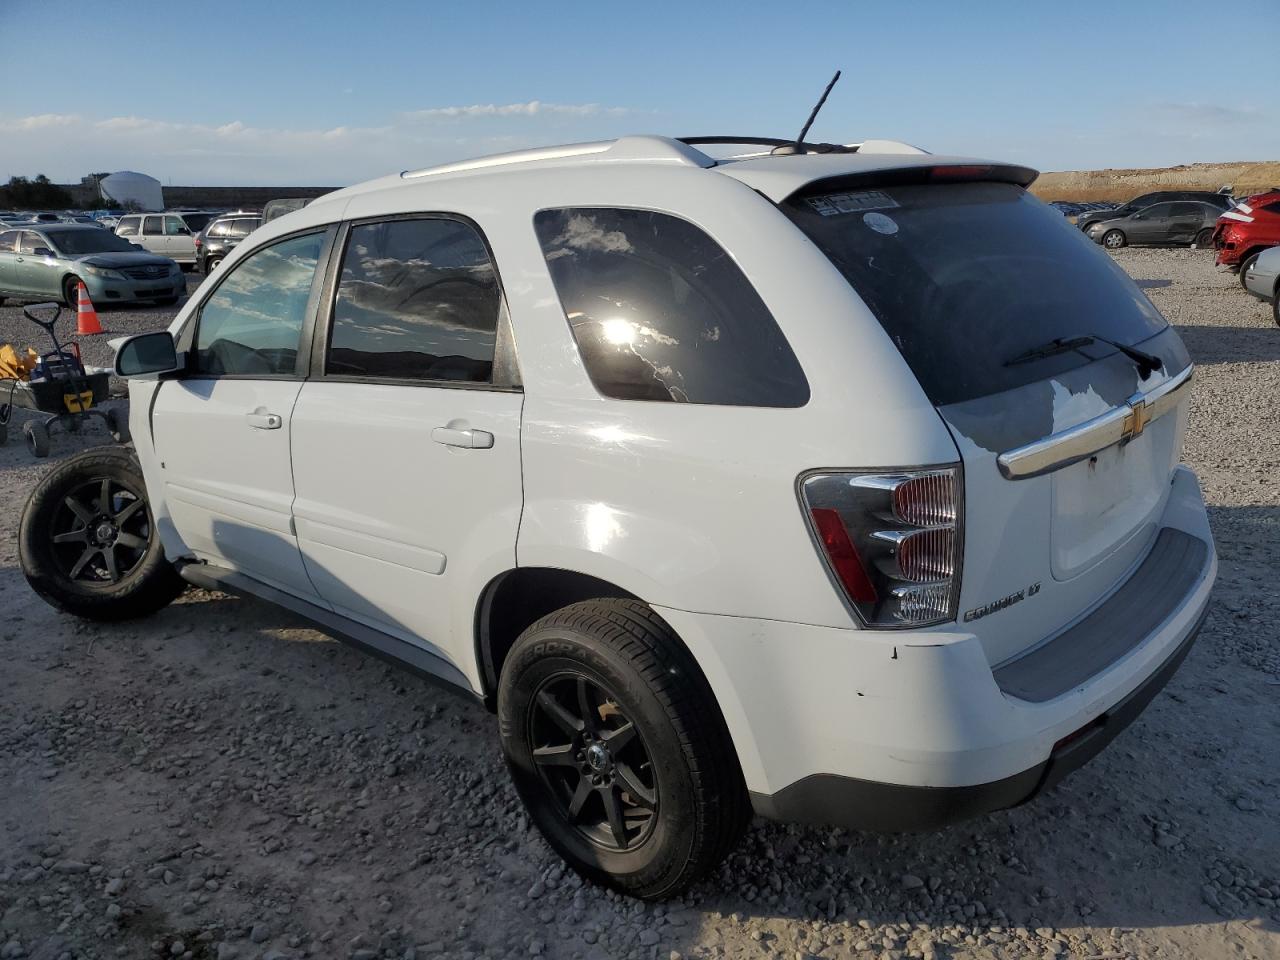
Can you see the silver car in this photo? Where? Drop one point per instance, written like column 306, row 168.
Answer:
column 48, row 261
column 1262, row 279
column 1172, row 222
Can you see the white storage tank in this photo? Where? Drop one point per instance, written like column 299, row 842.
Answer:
column 132, row 191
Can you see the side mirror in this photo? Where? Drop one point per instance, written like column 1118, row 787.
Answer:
column 42, row 252
column 147, row 353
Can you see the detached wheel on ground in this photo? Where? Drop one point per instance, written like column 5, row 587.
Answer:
column 87, row 543
column 1114, row 240
column 616, row 745
column 1203, row 239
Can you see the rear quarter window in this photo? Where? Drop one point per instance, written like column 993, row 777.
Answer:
column 964, row 277
column 661, row 312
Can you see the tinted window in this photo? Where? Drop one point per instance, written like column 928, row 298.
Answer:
column 252, row 323
column 242, row 228
column 9, row 241
column 128, row 227
column 418, row 300
column 661, row 312
column 75, row 242
column 1158, row 212
column 964, row 277
column 153, row 226
column 220, row 229
column 196, row 221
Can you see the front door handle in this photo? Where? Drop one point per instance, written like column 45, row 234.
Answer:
column 261, row 420
column 467, row 439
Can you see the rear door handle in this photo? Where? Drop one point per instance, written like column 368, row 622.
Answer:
column 263, row 421
column 468, row 439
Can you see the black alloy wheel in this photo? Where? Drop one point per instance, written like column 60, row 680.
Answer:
column 101, row 531
column 88, row 542
column 594, row 761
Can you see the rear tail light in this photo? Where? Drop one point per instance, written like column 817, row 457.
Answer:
column 891, row 541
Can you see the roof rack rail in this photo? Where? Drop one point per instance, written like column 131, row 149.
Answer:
column 643, row 147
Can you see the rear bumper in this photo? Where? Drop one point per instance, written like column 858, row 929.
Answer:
column 867, row 805
column 899, row 730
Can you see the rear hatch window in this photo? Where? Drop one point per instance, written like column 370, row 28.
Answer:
column 966, row 276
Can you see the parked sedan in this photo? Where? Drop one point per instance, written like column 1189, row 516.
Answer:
column 49, row 261
column 1262, row 279
column 1189, row 222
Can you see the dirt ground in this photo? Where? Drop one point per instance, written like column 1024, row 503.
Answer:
column 1120, row 185
column 221, row 782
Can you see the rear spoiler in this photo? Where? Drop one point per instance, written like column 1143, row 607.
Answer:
column 940, row 172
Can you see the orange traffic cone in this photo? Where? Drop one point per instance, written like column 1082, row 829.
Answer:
column 86, row 317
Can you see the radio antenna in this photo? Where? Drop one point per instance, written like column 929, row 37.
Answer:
column 804, row 131
column 789, row 149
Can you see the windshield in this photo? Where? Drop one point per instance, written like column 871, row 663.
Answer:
column 964, row 276
column 76, row 243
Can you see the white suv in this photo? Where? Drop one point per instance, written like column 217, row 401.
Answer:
column 834, row 483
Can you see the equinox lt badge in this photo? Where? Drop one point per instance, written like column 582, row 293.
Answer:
column 977, row 613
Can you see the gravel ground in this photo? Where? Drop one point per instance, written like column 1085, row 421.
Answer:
column 219, row 781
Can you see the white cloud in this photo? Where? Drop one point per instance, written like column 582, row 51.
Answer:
column 530, row 109
column 67, row 146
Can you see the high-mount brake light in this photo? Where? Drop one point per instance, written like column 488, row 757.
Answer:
column 970, row 171
column 891, row 540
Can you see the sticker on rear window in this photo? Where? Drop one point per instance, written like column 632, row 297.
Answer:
column 881, row 223
column 835, row 203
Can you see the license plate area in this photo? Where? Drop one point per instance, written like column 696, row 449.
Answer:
column 1102, row 503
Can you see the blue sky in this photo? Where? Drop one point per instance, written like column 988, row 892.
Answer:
column 324, row 92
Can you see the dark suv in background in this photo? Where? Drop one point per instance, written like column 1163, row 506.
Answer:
column 1219, row 200
column 221, row 236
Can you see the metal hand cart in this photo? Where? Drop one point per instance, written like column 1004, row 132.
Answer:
column 60, row 388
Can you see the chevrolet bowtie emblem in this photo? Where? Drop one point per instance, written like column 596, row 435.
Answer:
column 1138, row 417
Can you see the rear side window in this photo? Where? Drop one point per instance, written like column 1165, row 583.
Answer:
column 965, row 277
column 417, row 300
column 9, row 241
column 153, row 226
column 220, row 228
column 128, row 227
column 251, row 325
column 660, row 311
column 242, row 228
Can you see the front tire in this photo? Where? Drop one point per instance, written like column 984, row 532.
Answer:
column 616, row 746
column 1114, row 240
column 71, row 291
column 1245, row 264
column 88, row 544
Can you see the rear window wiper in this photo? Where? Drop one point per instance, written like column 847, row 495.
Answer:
column 1146, row 363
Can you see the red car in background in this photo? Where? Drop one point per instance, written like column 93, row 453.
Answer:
column 1244, row 232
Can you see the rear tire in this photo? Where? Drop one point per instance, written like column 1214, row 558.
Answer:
column 36, row 435
column 1203, row 239
column 616, row 746
column 1275, row 306
column 211, row 265
column 118, row 425
column 88, row 544
column 1114, row 240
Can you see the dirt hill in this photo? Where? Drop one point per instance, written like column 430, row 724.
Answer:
column 1119, row 185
